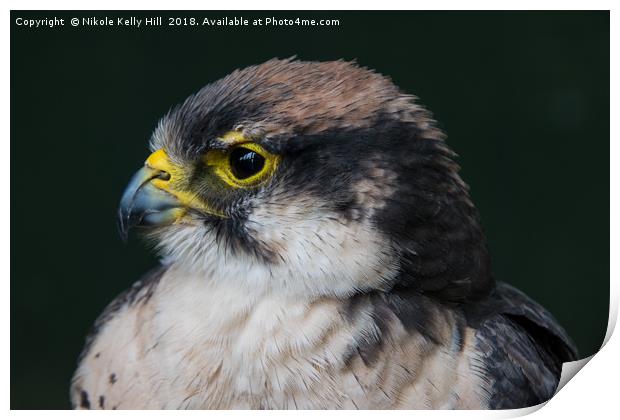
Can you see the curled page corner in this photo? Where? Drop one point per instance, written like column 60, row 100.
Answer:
column 570, row 369
column 521, row 412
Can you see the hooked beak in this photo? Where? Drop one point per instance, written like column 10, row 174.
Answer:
column 145, row 201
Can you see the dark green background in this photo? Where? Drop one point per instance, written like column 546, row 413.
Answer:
column 524, row 97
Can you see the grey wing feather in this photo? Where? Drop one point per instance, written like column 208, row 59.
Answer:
column 523, row 348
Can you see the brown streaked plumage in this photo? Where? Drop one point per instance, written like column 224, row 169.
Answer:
column 354, row 274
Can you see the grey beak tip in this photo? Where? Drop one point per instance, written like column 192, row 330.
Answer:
column 123, row 230
column 142, row 204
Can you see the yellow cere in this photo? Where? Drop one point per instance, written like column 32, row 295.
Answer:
column 159, row 160
column 219, row 161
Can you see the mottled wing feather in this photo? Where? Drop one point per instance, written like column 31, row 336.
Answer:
column 140, row 291
column 527, row 312
column 523, row 348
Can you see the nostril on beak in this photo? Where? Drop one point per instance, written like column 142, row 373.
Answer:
column 159, row 163
column 163, row 175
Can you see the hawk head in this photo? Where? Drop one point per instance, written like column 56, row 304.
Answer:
column 311, row 178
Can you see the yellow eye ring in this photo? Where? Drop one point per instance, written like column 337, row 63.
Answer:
column 243, row 165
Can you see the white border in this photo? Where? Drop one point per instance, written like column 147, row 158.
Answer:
column 316, row 5
column 593, row 393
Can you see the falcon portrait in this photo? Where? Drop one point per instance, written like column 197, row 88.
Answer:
column 318, row 251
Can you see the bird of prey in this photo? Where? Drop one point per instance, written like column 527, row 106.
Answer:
column 318, row 251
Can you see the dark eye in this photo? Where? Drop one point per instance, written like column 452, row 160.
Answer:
column 245, row 162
